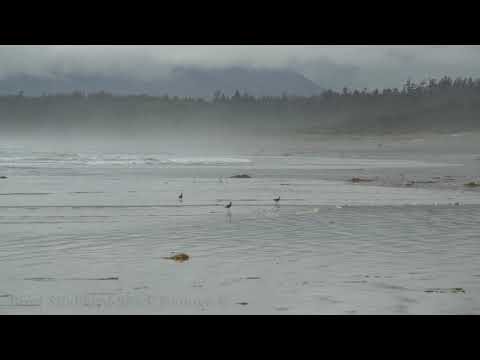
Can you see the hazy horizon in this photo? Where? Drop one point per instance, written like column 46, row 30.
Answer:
column 359, row 66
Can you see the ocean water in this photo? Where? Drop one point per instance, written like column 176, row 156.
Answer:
column 87, row 232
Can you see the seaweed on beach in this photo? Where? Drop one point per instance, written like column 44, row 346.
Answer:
column 425, row 182
column 446, row 291
column 243, row 176
column 357, row 180
column 178, row 257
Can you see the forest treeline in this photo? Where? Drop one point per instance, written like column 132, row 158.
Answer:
column 433, row 105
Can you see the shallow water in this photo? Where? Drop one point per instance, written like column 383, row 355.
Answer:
column 87, row 232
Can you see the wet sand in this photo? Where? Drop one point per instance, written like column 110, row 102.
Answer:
column 90, row 233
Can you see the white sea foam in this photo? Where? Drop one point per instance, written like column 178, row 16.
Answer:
column 209, row 161
column 60, row 159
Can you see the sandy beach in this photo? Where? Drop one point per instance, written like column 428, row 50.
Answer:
column 88, row 230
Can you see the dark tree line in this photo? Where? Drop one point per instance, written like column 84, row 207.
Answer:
column 437, row 105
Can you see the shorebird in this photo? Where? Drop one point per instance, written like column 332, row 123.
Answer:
column 180, row 197
column 228, row 206
column 277, row 200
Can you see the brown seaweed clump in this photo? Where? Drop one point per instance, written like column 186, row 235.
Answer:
column 472, row 184
column 357, row 180
column 243, row 176
column 179, row 257
column 446, row 291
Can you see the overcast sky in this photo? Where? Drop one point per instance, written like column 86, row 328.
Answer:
column 329, row 66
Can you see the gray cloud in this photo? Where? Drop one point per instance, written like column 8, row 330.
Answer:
column 330, row 66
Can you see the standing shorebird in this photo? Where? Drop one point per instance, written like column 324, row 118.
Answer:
column 277, row 200
column 180, row 197
column 229, row 213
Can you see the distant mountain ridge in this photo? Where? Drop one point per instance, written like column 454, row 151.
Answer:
column 182, row 82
